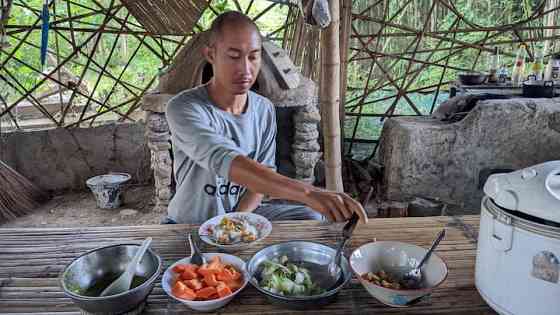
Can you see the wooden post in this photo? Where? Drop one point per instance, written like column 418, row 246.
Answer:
column 345, row 31
column 329, row 96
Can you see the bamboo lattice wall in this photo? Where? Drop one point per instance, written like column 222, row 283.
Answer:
column 398, row 55
column 93, row 82
column 403, row 54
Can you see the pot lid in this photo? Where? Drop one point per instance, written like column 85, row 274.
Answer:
column 534, row 190
column 539, row 83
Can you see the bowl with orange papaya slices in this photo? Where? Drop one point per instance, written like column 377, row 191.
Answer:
column 207, row 287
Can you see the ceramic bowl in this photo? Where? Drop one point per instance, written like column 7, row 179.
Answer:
column 169, row 278
column 396, row 258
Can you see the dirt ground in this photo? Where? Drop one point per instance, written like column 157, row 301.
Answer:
column 79, row 209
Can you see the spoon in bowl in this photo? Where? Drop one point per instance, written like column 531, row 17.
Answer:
column 413, row 278
column 123, row 282
column 196, row 256
column 334, row 266
column 328, row 276
column 334, row 270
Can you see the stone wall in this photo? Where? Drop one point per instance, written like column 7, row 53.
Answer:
column 427, row 157
column 63, row 159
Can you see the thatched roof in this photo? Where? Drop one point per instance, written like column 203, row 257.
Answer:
column 167, row 17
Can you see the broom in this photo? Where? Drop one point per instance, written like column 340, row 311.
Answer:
column 18, row 196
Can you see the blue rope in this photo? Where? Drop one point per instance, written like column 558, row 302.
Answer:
column 44, row 32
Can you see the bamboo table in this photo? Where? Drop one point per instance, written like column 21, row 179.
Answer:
column 31, row 259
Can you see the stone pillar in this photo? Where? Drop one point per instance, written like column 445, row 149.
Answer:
column 305, row 148
column 158, row 139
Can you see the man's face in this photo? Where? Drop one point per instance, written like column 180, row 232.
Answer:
column 236, row 58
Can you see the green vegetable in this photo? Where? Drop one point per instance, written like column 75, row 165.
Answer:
column 279, row 276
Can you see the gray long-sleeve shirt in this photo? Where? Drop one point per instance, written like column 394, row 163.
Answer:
column 205, row 141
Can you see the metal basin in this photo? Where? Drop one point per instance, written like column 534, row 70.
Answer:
column 310, row 253
column 472, row 78
column 85, row 277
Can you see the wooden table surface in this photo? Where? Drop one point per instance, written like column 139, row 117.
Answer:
column 31, row 259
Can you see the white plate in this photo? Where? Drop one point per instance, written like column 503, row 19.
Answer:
column 262, row 225
column 169, row 277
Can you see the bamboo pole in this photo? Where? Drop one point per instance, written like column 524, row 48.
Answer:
column 57, row 47
column 97, row 35
column 47, row 76
column 329, row 97
column 263, row 12
column 33, row 100
column 466, row 31
column 345, row 31
column 15, row 29
column 249, row 7
column 112, row 90
column 128, row 86
column 100, row 76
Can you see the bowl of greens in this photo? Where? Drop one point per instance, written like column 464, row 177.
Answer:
column 89, row 274
column 288, row 274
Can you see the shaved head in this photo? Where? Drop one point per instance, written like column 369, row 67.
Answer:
column 234, row 50
column 230, row 20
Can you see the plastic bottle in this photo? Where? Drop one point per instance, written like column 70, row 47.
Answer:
column 493, row 66
column 547, row 75
column 502, row 74
column 518, row 66
column 537, row 67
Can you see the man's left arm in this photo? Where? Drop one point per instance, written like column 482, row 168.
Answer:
column 251, row 200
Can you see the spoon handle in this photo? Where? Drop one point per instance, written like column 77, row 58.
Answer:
column 191, row 244
column 438, row 239
column 131, row 268
column 196, row 256
column 339, row 251
column 123, row 282
column 350, row 225
column 346, row 234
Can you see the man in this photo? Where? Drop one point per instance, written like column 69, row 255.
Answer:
column 224, row 144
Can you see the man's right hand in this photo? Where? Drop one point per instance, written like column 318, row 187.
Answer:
column 337, row 207
column 260, row 179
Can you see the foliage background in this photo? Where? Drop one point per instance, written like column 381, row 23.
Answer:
column 137, row 64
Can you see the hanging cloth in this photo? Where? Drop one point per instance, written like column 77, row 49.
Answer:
column 44, row 32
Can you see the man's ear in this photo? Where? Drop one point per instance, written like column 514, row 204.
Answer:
column 209, row 53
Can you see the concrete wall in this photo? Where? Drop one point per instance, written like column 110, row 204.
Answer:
column 425, row 157
column 63, row 159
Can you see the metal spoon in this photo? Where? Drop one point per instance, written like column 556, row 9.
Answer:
column 123, row 282
column 334, row 266
column 328, row 276
column 333, row 274
column 413, row 278
column 196, row 256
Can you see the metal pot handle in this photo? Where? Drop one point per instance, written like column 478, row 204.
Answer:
column 552, row 183
column 549, row 83
column 502, row 232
